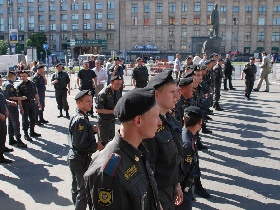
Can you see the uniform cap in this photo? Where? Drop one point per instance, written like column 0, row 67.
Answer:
column 190, row 74
column 116, row 59
column 189, row 58
column 116, row 78
column 252, row 58
column 23, row 71
column 203, row 67
column 221, row 59
column 59, row 64
column 207, row 62
column 12, row 72
column 40, row 67
column 138, row 59
column 134, row 103
column 193, row 110
column 82, row 93
column 185, row 81
column 161, row 79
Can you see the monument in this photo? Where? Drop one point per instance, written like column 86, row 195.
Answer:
column 213, row 44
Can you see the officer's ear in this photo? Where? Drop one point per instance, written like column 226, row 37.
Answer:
column 137, row 120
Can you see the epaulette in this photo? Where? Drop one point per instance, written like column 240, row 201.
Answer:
column 112, row 164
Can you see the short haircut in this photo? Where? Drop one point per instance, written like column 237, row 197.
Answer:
column 264, row 53
column 110, row 59
column 191, row 119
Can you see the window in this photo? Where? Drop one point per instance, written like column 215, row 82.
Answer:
column 210, row 7
column 110, row 26
column 171, row 20
column 147, row 8
column 1, row 24
column 184, row 21
column 41, row 27
column 276, row 21
column 10, row 9
column 109, row 36
column 172, row 7
column 159, row 8
column 276, row 8
column 41, row 18
column 75, row 16
column 183, row 45
column 235, row 9
column 223, row 36
column 111, row 15
column 275, row 36
column 184, row 33
column 74, row 7
column 223, row 8
column 31, row 23
column 86, row 26
column 53, row 27
column 41, row 8
column 223, row 21
column 98, row 26
column 110, row 5
column 184, row 7
column 196, row 21
column 52, row 17
column 85, row 36
column 134, row 9
column 86, row 6
column 247, row 37
column 159, row 21
column 246, row 50
column 64, row 36
column 96, row 35
column 196, row 32
column 63, row 7
column 234, row 21
column 261, row 36
column 19, row 1
column 171, row 32
column 53, row 37
column 134, row 21
column 98, row 16
column 64, row 27
column 261, row 21
column 262, row 8
column 248, row 9
column 146, row 21
column 52, row 7
column 75, row 26
column 30, row 1
column 20, row 9
column 30, row 9
column 197, row 7
column 10, row 22
column 208, row 20
column 171, row 45
column 86, row 16
column 98, row 5
column 248, row 21
column 41, row 0
column 20, row 23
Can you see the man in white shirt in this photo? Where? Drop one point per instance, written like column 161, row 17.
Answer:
column 196, row 60
column 177, row 66
column 102, row 77
column 108, row 66
column 202, row 62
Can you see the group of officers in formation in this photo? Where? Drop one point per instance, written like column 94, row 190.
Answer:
column 152, row 162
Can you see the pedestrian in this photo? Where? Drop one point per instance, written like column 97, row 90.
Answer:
column 105, row 105
column 166, row 147
column 177, row 66
column 13, row 118
column 61, row 82
column 108, row 66
column 101, row 76
column 120, row 176
column 40, row 82
column 88, row 81
column 218, row 70
column 82, row 144
column 250, row 70
column 117, row 70
column 140, row 74
column 91, row 62
column 70, row 65
column 265, row 71
column 228, row 68
column 28, row 106
column 196, row 60
column 202, row 62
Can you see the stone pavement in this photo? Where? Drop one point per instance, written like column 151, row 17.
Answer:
column 240, row 169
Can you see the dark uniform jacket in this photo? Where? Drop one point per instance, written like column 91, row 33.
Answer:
column 120, row 178
column 166, row 153
column 107, row 99
column 181, row 104
column 218, row 72
column 140, row 74
column 228, row 67
column 27, row 89
column 10, row 90
column 2, row 104
column 119, row 71
column 81, row 139
column 39, row 83
column 86, row 77
column 63, row 80
column 250, row 70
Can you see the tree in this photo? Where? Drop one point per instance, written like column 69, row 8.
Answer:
column 3, row 47
column 37, row 40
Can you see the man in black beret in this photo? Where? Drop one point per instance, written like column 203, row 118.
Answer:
column 82, row 144
column 166, row 146
column 140, row 74
column 61, row 82
column 228, row 68
column 120, row 176
column 250, row 70
column 105, row 105
column 218, row 82
column 117, row 70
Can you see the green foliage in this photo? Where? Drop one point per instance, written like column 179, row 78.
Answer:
column 37, row 40
column 3, row 47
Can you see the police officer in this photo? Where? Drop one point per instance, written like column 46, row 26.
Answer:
column 192, row 125
column 117, row 70
column 228, row 73
column 140, row 75
column 166, row 147
column 82, row 144
column 218, row 80
column 120, row 176
column 28, row 106
column 40, row 82
column 13, row 119
column 105, row 104
column 88, row 81
column 250, row 70
column 61, row 81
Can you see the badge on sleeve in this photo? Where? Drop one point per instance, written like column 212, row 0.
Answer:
column 105, row 196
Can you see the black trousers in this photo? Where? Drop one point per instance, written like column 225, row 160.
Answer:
column 13, row 122
column 3, row 134
column 106, row 129
column 249, row 84
column 217, row 91
column 29, row 108
column 61, row 99
column 39, row 113
column 228, row 77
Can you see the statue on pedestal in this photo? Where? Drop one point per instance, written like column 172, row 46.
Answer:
column 215, row 22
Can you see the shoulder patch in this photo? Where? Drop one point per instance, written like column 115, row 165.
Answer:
column 81, row 127
column 105, row 196
column 112, row 164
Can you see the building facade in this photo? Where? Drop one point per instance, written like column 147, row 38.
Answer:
column 144, row 28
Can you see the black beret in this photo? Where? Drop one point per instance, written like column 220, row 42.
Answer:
column 12, row 72
column 82, row 93
column 190, row 74
column 190, row 67
column 207, row 62
column 211, row 56
column 177, row 81
column 221, row 59
column 252, row 58
column 203, row 67
column 138, row 59
column 188, row 58
column 59, row 64
column 161, row 79
column 185, row 81
column 23, row 71
column 193, row 110
column 116, row 59
column 116, row 78
column 134, row 103
column 40, row 67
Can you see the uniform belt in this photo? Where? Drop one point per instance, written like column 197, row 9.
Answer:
column 82, row 153
column 28, row 100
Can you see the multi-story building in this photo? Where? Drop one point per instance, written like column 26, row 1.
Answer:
column 144, row 28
